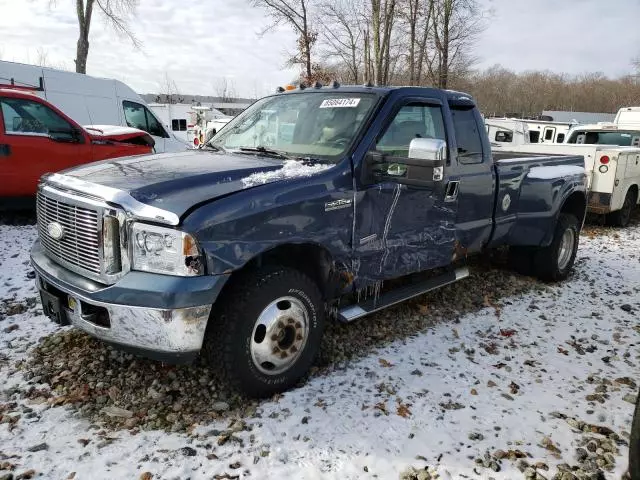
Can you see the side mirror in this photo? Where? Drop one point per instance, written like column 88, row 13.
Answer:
column 430, row 149
column 424, row 166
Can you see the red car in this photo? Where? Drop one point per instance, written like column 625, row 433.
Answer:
column 37, row 138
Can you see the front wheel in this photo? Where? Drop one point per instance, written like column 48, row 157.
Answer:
column 553, row 263
column 268, row 331
column 634, row 444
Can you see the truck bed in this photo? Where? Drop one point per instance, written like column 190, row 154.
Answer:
column 526, row 190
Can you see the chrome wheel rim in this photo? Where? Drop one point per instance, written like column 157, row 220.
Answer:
column 566, row 248
column 279, row 335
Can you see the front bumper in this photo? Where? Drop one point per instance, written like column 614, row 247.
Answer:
column 167, row 323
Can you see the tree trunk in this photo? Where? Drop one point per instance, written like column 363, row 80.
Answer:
column 84, row 23
column 82, row 52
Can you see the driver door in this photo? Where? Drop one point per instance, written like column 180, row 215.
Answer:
column 404, row 225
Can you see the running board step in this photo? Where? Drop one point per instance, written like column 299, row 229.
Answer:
column 353, row 312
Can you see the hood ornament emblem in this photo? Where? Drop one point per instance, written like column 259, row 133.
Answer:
column 55, row 231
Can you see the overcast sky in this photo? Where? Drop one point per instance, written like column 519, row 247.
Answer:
column 200, row 42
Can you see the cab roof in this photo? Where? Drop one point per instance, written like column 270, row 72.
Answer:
column 450, row 95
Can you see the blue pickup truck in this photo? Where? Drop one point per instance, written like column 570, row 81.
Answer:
column 314, row 204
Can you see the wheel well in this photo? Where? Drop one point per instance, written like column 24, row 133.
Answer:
column 576, row 205
column 312, row 260
column 634, row 189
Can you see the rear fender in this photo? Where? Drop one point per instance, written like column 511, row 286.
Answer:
column 544, row 193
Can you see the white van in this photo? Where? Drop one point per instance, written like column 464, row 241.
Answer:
column 91, row 101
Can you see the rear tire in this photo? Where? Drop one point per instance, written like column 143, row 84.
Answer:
column 267, row 331
column 554, row 263
column 634, row 444
column 622, row 217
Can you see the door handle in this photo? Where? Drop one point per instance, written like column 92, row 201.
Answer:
column 5, row 150
column 451, row 193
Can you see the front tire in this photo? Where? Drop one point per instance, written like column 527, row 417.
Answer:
column 553, row 263
column 634, row 444
column 622, row 217
column 268, row 331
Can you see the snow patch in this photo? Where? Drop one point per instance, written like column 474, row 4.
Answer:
column 290, row 169
column 555, row 171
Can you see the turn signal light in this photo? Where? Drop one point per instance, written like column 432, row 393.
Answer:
column 604, row 160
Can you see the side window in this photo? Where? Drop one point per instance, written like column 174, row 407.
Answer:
column 548, row 133
column 560, row 138
column 467, row 135
column 154, row 126
column 26, row 117
column 412, row 121
column 138, row 116
column 503, row 136
column 534, row 136
column 179, row 125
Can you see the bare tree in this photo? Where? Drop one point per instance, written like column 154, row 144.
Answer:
column 416, row 16
column 343, row 31
column 296, row 14
column 115, row 13
column 383, row 15
column 225, row 90
column 169, row 92
column 456, row 24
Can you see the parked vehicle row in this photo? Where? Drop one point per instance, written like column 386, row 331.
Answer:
column 240, row 249
column 91, row 101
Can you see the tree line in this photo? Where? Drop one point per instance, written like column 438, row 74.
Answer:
column 402, row 42
column 430, row 43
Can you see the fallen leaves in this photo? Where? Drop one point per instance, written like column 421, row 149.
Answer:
column 548, row 445
column 403, row 410
column 384, row 363
column 382, row 407
column 508, row 332
column 146, row 476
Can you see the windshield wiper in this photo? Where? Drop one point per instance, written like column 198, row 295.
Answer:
column 212, row 147
column 262, row 151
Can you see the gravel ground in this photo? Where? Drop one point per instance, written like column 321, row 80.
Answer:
column 115, row 392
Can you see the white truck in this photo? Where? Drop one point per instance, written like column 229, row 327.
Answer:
column 529, row 131
column 91, row 101
column 506, row 132
column 614, row 180
column 628, row 116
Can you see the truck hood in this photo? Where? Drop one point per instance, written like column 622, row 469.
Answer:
column 175, row 182
column 117, row 133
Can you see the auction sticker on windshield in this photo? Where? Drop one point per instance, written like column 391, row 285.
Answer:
column 340, row 102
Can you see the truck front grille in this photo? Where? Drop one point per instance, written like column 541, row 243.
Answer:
column 79, row 240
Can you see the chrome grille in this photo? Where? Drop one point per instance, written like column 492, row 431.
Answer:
column 80, row 244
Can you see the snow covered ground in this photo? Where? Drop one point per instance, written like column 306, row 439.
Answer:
column 516, row 378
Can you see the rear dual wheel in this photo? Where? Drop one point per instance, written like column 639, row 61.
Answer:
column 554, row 262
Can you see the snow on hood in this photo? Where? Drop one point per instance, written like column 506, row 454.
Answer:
column 119, row 133
column 108, row 130
column 290, row 169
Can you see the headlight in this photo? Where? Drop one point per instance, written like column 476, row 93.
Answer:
column 164, row 250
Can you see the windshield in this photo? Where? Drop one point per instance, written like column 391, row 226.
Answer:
column 310, row 124
column 623, row 138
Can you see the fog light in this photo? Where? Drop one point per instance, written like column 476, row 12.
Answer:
column 603, row 169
